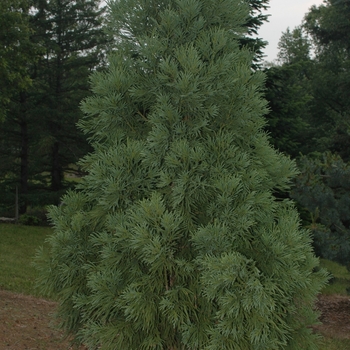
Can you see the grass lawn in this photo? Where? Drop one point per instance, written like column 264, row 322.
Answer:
column 18, row 245
column 335, row 344
column 340, row 281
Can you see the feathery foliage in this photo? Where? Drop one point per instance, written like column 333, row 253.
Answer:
column 174, row 239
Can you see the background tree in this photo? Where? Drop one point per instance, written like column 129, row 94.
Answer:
column 322, row 188
column 309, row 100
column 17, row 55
column 324, row 79
column 72, row 35
column 39, row 139
column 290, row 96
column 329, row 28
column 15, row 51
column 254, row 21
column 45, row 113
column 174, row 240
column 294, row 47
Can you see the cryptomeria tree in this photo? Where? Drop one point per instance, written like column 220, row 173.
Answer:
column 174, row 239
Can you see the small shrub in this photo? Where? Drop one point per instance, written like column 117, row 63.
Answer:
column 40, row 213
column 29, row 220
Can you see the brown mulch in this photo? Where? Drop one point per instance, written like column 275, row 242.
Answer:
column 335, row 316
column 26, row 322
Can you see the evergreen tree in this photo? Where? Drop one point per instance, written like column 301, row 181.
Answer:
column 253, row 22
column 17, row 55
column 294, row 46
column 174, row 239
column 72, row 35
column 329, row 28
column 322, row 190
column 15, row 51
column 289, row 93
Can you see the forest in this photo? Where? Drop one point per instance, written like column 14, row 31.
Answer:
column 51, row 47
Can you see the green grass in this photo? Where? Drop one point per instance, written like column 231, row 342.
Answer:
column 335, row 344
column 18, row 245
column 341, row 280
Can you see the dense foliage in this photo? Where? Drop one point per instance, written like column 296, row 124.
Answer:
column 324, row 79
column 49, row 49
column 309, row 101
column 323, row 189
column 39, row 140
column 174, row 239
column 329, row 27
column 16, row 50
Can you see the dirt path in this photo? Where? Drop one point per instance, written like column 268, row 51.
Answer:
column 26, row 322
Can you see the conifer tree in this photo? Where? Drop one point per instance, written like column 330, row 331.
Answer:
column 174, row 239
column 74, row 42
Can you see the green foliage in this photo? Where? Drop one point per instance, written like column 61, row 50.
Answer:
column 174, row 239
column 338, row 271
column 29, row 220
column 289, row 96
column 254, row 21
column 39, row 139
column 294, row 46
column 17, row 250
column 292, row 123
column 329, row 27
column 339, row 278
column 331, row 343
column 37, row 197
column 323, row 189
column 309, row 97
column 72, row 34
column 15, row 52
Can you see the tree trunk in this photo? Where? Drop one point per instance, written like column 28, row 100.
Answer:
column 24, row 156
column 56, row 170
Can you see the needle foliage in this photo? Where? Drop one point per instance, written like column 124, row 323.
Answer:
column 174, row 239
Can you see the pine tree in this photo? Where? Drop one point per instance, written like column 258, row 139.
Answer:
column 289, row 93
column 253, row 22
column 72, row 34
column 17, row 54
column 174, row 239
column 16, row 51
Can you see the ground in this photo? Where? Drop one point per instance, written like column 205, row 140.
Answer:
column 335, row 311
column 26, row 322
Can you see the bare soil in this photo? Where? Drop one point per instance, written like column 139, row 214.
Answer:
column 26, row 323
column 335, row 316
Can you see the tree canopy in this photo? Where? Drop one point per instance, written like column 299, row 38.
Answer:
column 39, row 140
column 16, row 50
column 309, row 100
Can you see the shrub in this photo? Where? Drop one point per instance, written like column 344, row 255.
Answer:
column 29, row 220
